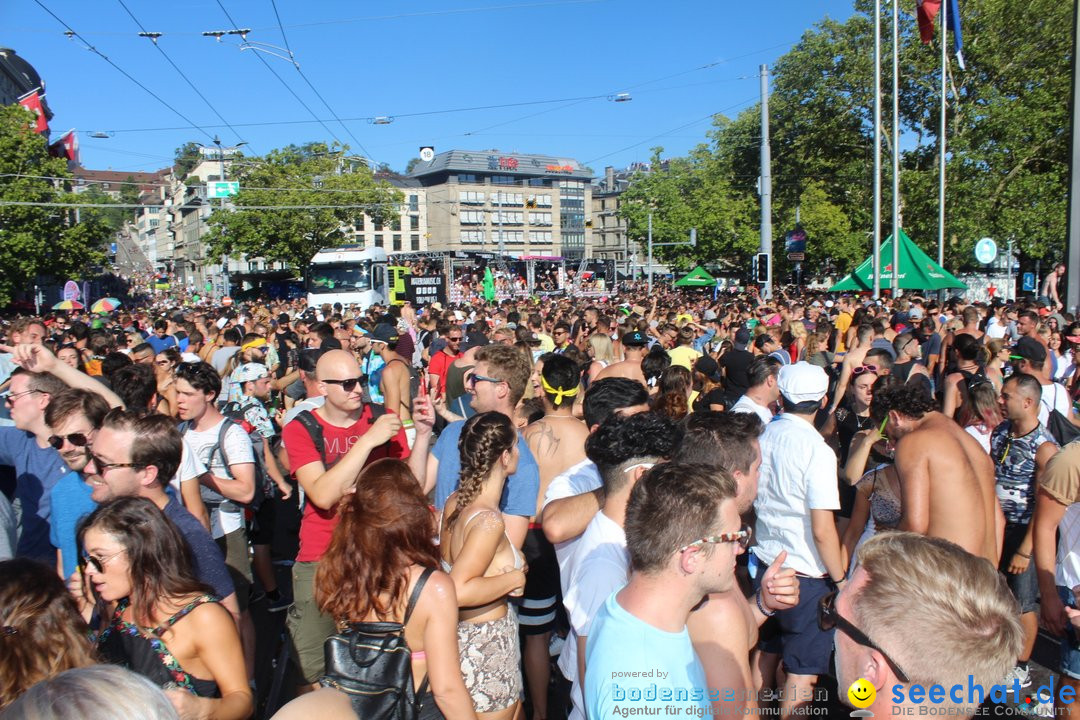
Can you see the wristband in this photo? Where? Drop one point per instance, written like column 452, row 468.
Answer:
column 761, row 606
column 1026, row 557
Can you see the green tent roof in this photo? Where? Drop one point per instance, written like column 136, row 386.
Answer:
column 917, row 270
column 696, row 278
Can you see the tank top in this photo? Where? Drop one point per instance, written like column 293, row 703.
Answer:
column 126, row 644
column 1014, row 469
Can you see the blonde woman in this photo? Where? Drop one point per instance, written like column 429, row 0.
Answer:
column 602, row 353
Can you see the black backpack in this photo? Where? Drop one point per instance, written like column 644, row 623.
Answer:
column 372, row 664
column 1059, row 426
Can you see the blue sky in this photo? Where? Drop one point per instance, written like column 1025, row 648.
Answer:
column 681, row 61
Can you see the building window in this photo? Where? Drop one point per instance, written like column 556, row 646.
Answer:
column 414, row 203
column 503, row 180
column 540, row 236
column 378, row 241
column 397, row 243
column 414, row 222
column 539, row 182
column 472, row 237
column 502, row 198
column 472, row 217
column 359, row 226
column 395, row 224
column 414, row 242
column 154, row 222
column 471, row 197
column 378, row 225
column 510, row 237
column 540, row 200
column 507, row 217
column 467, row 178
column 539, row 218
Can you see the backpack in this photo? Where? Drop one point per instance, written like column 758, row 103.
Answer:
column 372, row 664
column 315, row 431
column 264, row 484
column 1059, row 426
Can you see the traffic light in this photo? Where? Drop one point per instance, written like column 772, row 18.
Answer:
column 761, row 267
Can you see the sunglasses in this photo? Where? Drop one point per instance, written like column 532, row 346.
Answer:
column 741, row 536
column 453, row 339
column 76, row 439
column 98, row 564
column 473, row 379
column 348, row 384
column 104, row 467
column 830, row 619
column 865, row 369
column 12, row 397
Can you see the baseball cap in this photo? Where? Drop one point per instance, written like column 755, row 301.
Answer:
column 634, row 339
column 384, row 333
column 709, row 315
column 707, row 367
column 284, row 319
column 742, row 338
column 801, row 382
column 248, row 372
column 1028, row 349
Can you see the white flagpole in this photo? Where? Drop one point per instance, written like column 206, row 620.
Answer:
column 877, row 150
column 941, row 134
column 896, row 149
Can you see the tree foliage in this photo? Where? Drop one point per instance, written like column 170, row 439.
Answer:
column 186, row 157
column 1007, row 138
column 45, row 242
column 333, row 192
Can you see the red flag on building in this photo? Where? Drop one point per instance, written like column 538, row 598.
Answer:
column 32, row 102
column 927, row 11
column 66, row 147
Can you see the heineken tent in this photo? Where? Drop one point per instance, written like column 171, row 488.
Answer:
column 696, row 278
column 917, row 270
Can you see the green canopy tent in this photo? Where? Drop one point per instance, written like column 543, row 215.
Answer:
column 696, row 278
column 917, row 270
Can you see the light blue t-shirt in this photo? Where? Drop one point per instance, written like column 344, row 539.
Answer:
column 37, row 470
column 70, row 503
column 521, row 490
column 629, row 665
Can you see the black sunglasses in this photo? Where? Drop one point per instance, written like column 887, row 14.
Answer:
column 829, row 619
column 76, row 439
column 348, row 384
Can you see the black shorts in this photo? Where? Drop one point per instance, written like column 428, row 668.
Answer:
column 536, row 613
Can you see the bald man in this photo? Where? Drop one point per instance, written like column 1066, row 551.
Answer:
column 328, row 448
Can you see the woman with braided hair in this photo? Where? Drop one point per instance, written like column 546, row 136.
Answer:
column 485, row 566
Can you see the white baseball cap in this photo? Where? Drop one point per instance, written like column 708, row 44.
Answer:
column 801, row 381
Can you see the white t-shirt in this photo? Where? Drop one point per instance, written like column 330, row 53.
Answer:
column 798, row 474
column 1068, row 555
column 1054, row 397
column 237, row 447
column 576, row 480
column 190, row 468
column 982, row 434
column 600, row 565
column 995, row 329
column 747, row 405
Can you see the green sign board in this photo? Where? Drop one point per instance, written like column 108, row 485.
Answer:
column 220, row 189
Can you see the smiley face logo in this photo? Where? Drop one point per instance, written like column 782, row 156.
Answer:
column 861, row 693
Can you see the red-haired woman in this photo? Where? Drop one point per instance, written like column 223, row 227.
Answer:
column 383, row 543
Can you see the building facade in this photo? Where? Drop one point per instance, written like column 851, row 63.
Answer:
column 517, row 204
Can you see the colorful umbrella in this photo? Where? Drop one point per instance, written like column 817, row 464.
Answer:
column 105, row 305
column 68, row 305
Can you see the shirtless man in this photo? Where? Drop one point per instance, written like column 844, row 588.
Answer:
column 557, row 441
column 724, row 629
column 394, row 376
column 947, row 479
column 634, row 344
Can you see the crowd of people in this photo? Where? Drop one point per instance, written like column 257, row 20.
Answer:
column 554, row 507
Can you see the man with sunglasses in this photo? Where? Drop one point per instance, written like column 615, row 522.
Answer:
column 921, row 610
column 440, row 362
column 326, row 459
column 683, row 535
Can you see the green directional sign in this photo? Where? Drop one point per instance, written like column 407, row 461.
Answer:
column 220, row 189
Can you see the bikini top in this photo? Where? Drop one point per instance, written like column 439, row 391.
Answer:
column 143, row 651
column 519, row 559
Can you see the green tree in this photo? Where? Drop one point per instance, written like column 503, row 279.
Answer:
column 187, row 156
column 324, row 195
column 47, row 242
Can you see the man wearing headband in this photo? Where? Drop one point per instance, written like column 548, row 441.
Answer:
column 557, row 442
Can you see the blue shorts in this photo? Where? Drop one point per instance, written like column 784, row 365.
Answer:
column 805, row 648
column 1070, row 646
column 1024, row 586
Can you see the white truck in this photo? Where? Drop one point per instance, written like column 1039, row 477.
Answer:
column 350, row 275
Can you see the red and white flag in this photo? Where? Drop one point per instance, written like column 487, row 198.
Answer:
column 32, row 102
column 927, row 11
column 66, row 147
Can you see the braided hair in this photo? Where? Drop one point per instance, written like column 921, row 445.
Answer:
column 485, row 437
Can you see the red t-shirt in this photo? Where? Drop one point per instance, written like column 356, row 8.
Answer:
column 317, row 525
column 439, row 365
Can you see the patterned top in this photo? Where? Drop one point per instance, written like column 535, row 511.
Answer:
column 1014, row 469
column 143, row 651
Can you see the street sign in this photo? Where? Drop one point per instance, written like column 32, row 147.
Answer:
column 796, row 256
column 220, row 189
column 1029, row 282
column 986, row 251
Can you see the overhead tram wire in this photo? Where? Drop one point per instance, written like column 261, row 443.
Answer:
column 312, row 86
column 176, row 67
column 91, row 48
column 280, row 79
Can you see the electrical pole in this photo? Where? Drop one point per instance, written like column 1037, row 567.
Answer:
column 896, row 149
column 941, row 135
column 650, row 253
column 876, row 265
column 1072, row 255
column 224, row 256
column 766, row 181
